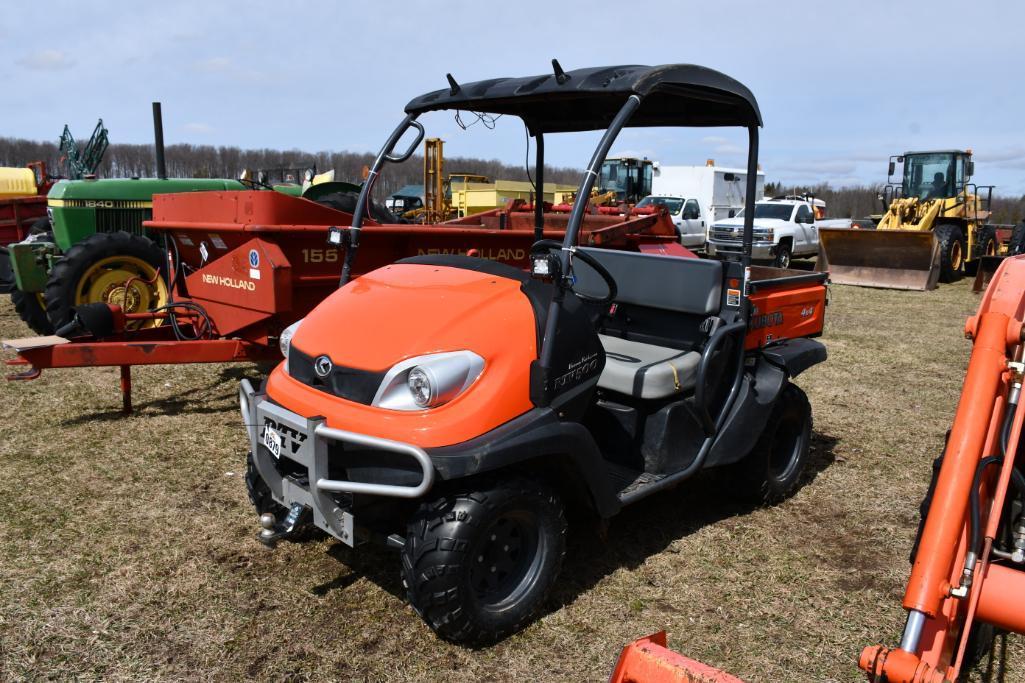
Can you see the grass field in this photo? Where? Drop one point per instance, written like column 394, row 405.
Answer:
column 128, row 547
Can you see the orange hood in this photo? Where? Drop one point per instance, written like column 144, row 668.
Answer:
column 406, row 310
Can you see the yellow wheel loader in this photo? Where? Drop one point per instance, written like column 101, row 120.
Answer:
column 934, row 226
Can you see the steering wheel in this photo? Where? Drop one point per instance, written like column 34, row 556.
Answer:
column 603, row 273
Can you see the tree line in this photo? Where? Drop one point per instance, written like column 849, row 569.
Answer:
column 861, row 201
column 209, row 161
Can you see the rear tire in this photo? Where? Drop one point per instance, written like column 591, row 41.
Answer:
column 73, row 272
column 1017, row 244
column 951, row 241
column 30, row 309
column 985, row 241
column 478, row 564
column 772, row 470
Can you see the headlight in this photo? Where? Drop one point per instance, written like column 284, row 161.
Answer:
column 769, row 234
column 428, row 381
column 285, row 340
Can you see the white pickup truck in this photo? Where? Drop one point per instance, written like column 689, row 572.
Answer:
column 783, row 229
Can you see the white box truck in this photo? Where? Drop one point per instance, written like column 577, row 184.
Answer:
column 698, row 196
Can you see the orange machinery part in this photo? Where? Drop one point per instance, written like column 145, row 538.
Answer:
column 648, row 660
column 998, row 593
column 1002, row 599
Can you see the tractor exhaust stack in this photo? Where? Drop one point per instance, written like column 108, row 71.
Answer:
column 158, row 141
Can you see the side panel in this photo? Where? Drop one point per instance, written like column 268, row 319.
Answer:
column 786, row 313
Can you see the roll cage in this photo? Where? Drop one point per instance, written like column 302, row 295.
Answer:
column 609, row 98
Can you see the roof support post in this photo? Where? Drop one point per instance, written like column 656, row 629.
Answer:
column 539, row 188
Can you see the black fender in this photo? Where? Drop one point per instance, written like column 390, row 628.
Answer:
column 795, row 355
column 536, row 439
column 762, row 385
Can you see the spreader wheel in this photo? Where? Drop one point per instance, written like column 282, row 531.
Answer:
column 115, row 268
column 477, row 564
column 31, row 308
column 772, row 470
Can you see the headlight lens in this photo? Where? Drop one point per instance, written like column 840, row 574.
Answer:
column 419, row 383
column 428, row 381
column 767, row 234
column 285, row 340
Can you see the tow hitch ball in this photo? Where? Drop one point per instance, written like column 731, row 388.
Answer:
column 272, row 531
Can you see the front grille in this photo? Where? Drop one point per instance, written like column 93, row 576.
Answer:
column 726, row 235
column 352, row 384
column 122, row 220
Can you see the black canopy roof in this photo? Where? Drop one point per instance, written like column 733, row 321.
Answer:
column 588, row 99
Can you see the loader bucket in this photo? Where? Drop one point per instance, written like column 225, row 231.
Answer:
column 889, row 259
column 648, row 660
column 987, row 265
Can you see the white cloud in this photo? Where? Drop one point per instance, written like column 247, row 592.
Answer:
column 198, row 127
column 46, row 60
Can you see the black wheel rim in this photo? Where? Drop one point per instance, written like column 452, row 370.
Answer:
column 786, row 448
column 506, row 560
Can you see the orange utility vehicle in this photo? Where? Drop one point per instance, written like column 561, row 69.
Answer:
column 968, row 571
column 454, row 407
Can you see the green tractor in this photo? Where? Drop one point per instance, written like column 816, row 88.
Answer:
column 97, row 249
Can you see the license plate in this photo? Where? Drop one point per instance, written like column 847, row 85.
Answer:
column 272, row 440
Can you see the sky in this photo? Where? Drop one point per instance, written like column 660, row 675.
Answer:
column 841, row 85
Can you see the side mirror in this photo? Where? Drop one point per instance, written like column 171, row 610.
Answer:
column 970, row 170
column 891, row 168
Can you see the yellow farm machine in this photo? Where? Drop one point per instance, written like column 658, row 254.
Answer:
column 935, row 227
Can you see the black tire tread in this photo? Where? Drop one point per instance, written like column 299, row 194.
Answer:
column 31, row 312
column 946, row 234
column 433, row 557
column 749, row 476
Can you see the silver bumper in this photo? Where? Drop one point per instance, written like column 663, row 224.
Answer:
column 306, row 443
column 759, row 250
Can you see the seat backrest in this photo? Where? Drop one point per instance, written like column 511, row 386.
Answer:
column 671, row 283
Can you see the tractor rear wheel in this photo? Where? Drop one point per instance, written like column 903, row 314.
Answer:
column 478, row 563
column 108, row 267
column 31, row 308
column 773, row 469
column 952, row 254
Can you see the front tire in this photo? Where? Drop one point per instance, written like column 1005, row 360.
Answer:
column 951, row 241
column 478, row 563
column 783, row 256
column 772, row 470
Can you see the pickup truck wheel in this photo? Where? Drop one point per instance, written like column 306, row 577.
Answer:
column 478, row 563
column 782, row 259
column 31, row 309
column 773, row 468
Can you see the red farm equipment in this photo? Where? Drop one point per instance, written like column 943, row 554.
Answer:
column 22, row 206
column 245, row 265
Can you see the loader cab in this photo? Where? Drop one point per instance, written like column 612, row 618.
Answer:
column 932, row 175
column 628, row 177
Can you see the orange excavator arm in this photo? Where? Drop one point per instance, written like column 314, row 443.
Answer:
column 969, row 567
